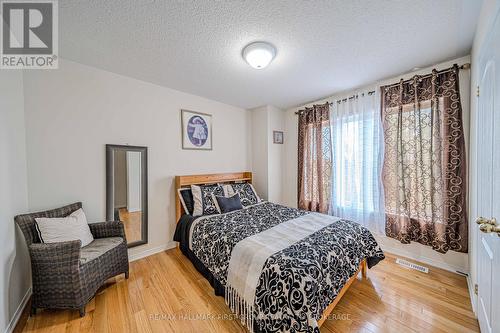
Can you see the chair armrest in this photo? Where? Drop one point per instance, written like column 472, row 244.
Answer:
column 107, row 229
column 55, row 269
column 62, row 256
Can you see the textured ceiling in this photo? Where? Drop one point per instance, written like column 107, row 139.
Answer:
column 323, row 46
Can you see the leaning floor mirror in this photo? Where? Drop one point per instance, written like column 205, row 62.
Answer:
column 127, row 190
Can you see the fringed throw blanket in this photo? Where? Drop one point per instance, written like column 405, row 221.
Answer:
column 281, row 267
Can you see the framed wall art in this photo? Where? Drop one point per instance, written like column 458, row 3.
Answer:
column 278, row 137
column 196, row 130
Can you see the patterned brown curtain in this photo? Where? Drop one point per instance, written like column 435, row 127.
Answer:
column 315, row 160
column 424, row 172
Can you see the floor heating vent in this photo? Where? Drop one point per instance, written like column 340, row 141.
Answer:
column 411, row 265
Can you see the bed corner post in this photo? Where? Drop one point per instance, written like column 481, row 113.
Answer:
column 364, row 269
column 177, row 200
column 248, row 175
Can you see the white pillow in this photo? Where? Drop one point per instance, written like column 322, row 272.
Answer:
column 64, row 229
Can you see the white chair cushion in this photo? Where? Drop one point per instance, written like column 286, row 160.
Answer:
column 98, row 247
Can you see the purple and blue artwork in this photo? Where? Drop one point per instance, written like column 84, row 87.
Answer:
column 197, row 131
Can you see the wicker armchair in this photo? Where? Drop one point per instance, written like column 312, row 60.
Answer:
column 66, row 276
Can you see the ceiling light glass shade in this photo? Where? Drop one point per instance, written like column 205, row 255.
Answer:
column 259, row 54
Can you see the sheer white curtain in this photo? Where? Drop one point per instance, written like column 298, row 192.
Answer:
column 357, row 143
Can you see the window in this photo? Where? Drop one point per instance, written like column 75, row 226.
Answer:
column 414, row 151
column 355, row 163
column 356, row 166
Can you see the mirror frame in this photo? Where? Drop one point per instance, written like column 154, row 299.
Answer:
column 110, row 195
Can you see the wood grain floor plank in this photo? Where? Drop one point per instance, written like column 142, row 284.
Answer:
column 165, row 293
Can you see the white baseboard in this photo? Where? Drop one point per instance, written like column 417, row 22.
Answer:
column 400, row 251
column 18, row 312
column 425, row 260
column 471, row 294
column 151, row 251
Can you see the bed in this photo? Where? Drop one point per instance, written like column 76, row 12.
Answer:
column 279, row 269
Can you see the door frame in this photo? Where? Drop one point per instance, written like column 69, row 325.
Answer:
column 472, row 279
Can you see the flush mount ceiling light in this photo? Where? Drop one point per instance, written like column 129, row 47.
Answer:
column 259, row 54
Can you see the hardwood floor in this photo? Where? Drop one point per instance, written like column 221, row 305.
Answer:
column 132, row 223
column 165, row 293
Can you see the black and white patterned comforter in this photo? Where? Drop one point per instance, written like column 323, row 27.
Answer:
column 297, row 283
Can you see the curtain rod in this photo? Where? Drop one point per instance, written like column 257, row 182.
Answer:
column 338, row 101
column 464, row 66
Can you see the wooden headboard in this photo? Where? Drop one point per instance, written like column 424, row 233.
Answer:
column 187, row 181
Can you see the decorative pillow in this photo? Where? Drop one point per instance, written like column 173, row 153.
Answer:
column 228, row 204
column 64, row 229
column 203, row 200
column 186, row 197
column 247, row 193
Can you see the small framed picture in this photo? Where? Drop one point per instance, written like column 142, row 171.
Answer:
column 196, row 130
column 278, row 137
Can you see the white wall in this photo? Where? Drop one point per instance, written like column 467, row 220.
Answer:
column 268, row 157
column 276, row 154
column 72, row 112
column 489, row 10
column 15, row 277
column 291, row 158
column 453, row 261
column 260, row 151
